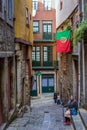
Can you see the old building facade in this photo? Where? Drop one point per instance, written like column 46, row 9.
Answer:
column 23, row 50
column 44, row 62
column 7, row 59
column 16, row 40
column 83, row 55
column 68, row 62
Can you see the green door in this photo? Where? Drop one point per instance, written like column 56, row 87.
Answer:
column 34, row 88
column 47, row 83
column 47, row 31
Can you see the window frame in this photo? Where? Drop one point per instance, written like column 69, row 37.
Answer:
column 37, row 27
column 2, row 10
column 46, row 4
column 10, row 9
column 0, row 6
column 27, row 18
column 61, row 4
column 48, row 56
column 35, row 51
column 47, row 35
column 10, row 20
column 35, row 5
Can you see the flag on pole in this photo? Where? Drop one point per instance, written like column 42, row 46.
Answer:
column 63, row 41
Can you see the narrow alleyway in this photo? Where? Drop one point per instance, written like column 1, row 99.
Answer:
column 47, row 116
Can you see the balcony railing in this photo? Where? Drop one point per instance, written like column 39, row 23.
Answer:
column 50, row 37
column 45, row 65
column 47, row 36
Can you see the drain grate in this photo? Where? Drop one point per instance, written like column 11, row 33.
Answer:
column 58, row 120
column 46, row 111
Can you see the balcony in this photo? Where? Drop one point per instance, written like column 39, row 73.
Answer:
column 47, row 36
column 44, row 38
column 45, row 65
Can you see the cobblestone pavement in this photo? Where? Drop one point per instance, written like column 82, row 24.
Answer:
column 44, row 117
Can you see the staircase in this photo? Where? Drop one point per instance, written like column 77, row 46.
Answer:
column 80, row 120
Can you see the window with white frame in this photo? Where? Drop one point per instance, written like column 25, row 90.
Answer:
column 47, row 4
column 10, row 9
column 0, row 5
column 35, row 4
column 47, row 53
column 36, row 54
column 35, row 26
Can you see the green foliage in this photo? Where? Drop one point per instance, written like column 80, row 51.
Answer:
column 79, row 32
column 68, row 26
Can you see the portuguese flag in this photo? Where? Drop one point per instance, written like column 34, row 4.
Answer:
column 63, row 41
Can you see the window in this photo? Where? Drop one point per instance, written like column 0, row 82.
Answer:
column 47, row 4
column 36, row 54
column 47, row 30
column 35, row 4
column 10, row 9
column 35, row 26
column 27, row 17
column 61, row 4
column 47, row 55
column 0, row 5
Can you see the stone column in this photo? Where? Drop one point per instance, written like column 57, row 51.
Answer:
column 38, row 89
column 40, row 85
column 26, row 88
column 14, row 95
column 5, row 89
column 19, row 80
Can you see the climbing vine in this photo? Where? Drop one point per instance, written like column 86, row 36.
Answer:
column 79, row 32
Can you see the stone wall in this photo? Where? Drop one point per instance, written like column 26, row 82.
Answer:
column 66, row 75
column 6, row 37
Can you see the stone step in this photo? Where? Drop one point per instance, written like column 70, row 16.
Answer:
column 41, row 98
column 41, row 102
column 83, row 114
column 77, row 122
column 44, row 99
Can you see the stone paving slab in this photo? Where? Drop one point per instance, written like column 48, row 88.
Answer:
column 46, row 117
column 83, row 114
column 78, row 122
column 19, row 122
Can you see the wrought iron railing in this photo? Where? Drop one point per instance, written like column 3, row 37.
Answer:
column 48, row 64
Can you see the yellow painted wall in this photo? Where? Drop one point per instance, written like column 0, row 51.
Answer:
column 21, row 30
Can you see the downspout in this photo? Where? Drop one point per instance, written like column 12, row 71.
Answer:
column 79, row 61
column 81, row 48
column 83, row 55
column 79, row 73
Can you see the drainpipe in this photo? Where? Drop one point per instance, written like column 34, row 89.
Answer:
column 81, row 47
column 83, row 54
column 79, row 73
